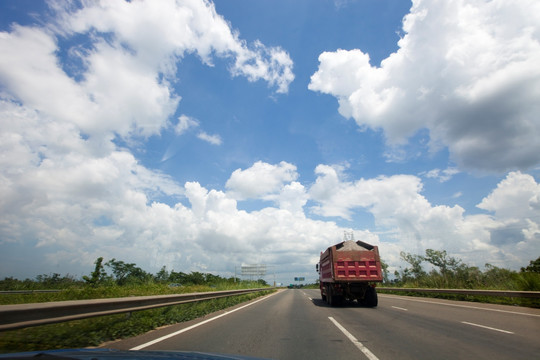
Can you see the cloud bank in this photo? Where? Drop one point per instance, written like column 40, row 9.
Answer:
column 465, row 70
column 70, row 193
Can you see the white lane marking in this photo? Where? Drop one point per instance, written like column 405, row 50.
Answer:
column 400, row 308
column 457, row 305
column 155, row 341
column 357, row 343
column 310, row 299
column 487, row 327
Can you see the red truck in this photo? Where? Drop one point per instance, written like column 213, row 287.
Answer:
column 349, row 271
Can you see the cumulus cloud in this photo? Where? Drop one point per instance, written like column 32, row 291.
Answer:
column 411, row 222
column 517, row 196
column 71, row 88
column 68, row 190
column 465, row 70
column 158, row 34
column 134, row 49
column 260, row 180
column 515, row 204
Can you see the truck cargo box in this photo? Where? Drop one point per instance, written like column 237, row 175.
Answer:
column 349, row 271
column 351, row 261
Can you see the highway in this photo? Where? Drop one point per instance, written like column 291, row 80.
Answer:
column 297, row 324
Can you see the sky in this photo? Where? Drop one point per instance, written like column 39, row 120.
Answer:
column 203, row 135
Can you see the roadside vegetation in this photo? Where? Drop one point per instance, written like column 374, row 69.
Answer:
column 446, row 272
column 109, row 280
column 117, row 279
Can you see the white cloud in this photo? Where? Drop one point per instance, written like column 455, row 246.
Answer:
column 466, row 71
column 260, row 180
column 159, row 34
column 441, row 175
column 293, row 197
column 184, row 123
column 413, row 224
column 66, row 188
column 517, row 210
column 123, row 87
column 515, row 197
column 212, row 139
column 69, row 194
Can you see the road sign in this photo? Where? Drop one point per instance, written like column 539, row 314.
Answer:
column 254, row 270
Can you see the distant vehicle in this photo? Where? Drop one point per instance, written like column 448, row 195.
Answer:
column 349, row 271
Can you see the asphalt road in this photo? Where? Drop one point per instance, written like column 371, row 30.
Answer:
column 297, row 324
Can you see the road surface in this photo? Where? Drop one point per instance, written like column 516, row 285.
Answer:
column 297, row 324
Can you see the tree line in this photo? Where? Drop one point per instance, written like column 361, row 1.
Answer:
column 117, row 273
column 450, row 272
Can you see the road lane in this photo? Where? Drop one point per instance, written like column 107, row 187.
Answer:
column 435, row 329
column 284, row 326
column 296, row 324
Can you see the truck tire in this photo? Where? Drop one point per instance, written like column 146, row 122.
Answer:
column 372, row 299
column 331, row 299
column 323, row 295
column 329, row 296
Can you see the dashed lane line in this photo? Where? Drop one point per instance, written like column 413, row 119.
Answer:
column 487, row 327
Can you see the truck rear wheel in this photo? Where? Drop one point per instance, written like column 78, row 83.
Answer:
column 371, row 299
column 331, row 299
column 329, row 296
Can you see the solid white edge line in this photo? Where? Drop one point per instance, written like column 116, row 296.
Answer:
column 456, row 305
column 357, row 343
column 155, row 341
column 487, row 327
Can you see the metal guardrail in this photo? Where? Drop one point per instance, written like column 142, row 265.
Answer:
column 505, row 293
column 16, row 292
column 26, row 315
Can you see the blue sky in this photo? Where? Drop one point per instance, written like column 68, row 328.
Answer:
column 205, row 135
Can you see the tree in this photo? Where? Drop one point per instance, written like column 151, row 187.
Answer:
column 384, row 267
column 196, row 278
column 497, row 277
column 415, row 261
column 98, row 275
column 177, row 277
column 441, row 260
column 534, row 266
column 163, row 275
column 262, row 282
column 125, row 273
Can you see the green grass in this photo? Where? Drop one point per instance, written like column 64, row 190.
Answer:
column 95, row 331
